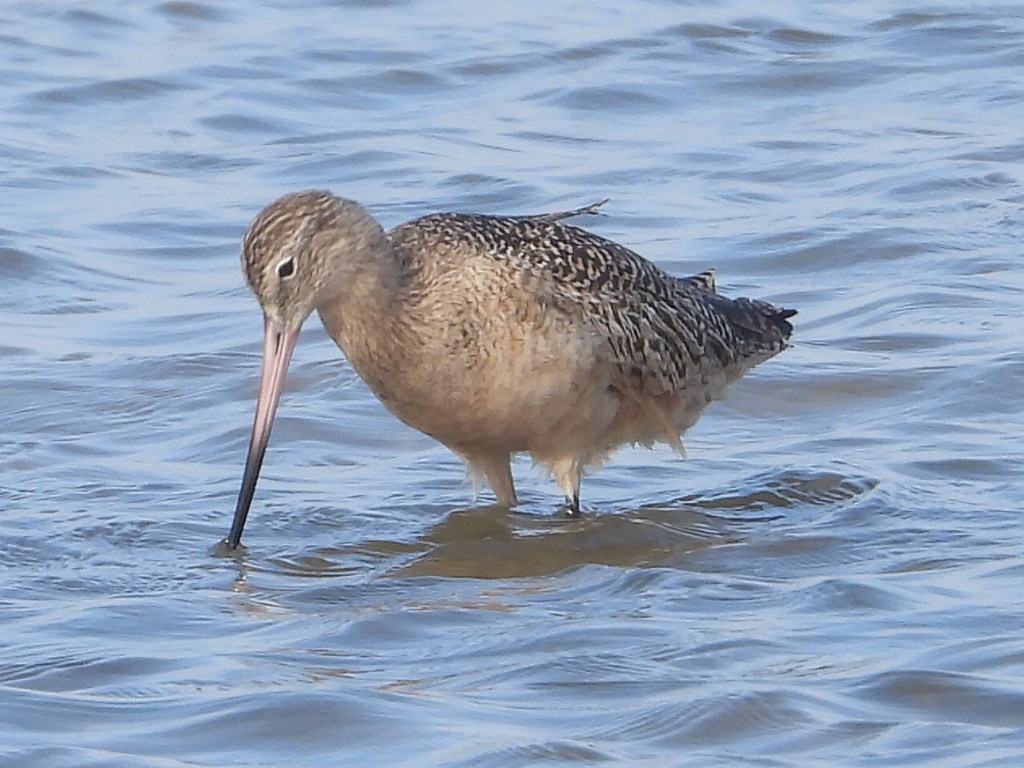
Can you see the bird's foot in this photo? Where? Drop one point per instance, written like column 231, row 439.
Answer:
column 571, row 508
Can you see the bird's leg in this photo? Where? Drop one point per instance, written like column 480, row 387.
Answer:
column 573, row 504
column 496, row 469
column 569, row 474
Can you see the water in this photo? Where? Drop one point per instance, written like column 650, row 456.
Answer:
column 833, row 577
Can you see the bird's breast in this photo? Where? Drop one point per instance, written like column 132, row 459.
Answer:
column 485, row 371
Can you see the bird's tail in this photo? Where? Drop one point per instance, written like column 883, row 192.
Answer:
column 756, row 330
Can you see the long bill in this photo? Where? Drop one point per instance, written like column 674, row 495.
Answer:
column 278, row 344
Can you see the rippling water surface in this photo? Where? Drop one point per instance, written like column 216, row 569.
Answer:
column 834, row 575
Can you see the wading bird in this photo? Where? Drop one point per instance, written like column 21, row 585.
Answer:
column 498, row 334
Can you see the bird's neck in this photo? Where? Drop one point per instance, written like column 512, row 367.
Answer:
column 365, row 316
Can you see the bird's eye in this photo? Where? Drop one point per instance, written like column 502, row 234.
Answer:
column 286, row 268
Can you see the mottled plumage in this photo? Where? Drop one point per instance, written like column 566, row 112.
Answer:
column 500, row 334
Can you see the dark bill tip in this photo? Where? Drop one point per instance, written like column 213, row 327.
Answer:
column 278, row 345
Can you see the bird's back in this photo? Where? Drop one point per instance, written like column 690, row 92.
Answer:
column 663, row 333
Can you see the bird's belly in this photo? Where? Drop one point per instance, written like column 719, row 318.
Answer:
column 526, row 393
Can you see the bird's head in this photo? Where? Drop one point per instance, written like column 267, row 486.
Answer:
column 302, row 251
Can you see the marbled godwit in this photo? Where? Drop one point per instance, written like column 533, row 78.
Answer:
column 498, row 334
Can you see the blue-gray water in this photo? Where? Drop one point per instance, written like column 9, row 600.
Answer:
column 833, row 576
